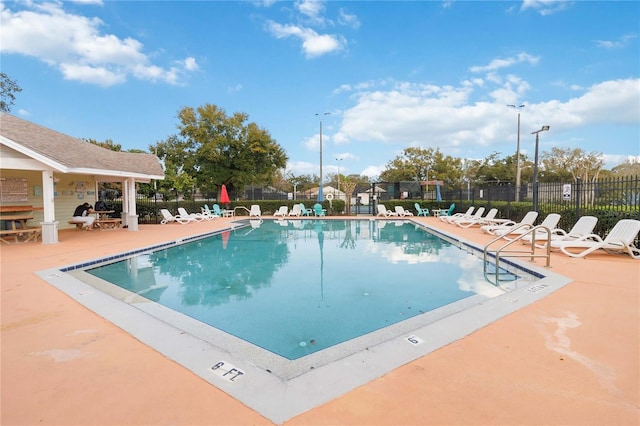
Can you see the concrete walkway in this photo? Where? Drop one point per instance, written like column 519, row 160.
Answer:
column 571, row 358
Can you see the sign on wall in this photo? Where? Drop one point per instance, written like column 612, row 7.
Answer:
column 13, row 190
column 566, row 191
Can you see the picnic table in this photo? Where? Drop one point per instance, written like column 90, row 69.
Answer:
column 15, row 225
column 104, row 222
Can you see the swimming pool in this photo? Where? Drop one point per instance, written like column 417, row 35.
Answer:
column 314, row 372
column 298, row 287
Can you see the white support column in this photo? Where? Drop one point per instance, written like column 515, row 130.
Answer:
column 49, row 225
column 130, row 200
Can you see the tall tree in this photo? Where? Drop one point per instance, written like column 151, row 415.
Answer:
column 423, row 164
column 565, row 163
column 628, row 168
column 495, row 170
column 8, row 89
column 215, row 149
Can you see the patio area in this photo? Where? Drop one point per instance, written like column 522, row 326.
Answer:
column 570, row 358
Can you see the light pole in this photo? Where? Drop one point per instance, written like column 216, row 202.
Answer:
column 518, row 170
column 338, row 159
column 535, row 168
column 320, row 190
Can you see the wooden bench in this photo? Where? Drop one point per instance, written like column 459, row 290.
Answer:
column 108, row 224
column 21, row 235
column 78, row 225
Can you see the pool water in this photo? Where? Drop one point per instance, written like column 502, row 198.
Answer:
column 295, row 287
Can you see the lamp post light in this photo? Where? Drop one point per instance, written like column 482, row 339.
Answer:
column 320, row 189
column 338, row 159
column 535, row 167
column 518, row 169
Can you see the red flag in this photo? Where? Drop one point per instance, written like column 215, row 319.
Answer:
column 224, row 196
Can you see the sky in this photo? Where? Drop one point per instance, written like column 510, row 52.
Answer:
column 375, row 76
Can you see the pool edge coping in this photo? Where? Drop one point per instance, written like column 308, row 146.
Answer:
column 280, row 400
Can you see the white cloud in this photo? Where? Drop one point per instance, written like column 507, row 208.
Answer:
column 616, row 44
column 311, row 9
column 614, row 101
column 348, row 19
column 446, row 117
column 298, row 168
column 313, row 44
column 446, row 4
column 234, row 89
column 373, row 171
column 313, row 143
column 190, row 64
column 89, row 2
column 93, row 75
column 75, row 45
column 546, row 7
column 610, row 161
column 310, row 16
column 497, row 64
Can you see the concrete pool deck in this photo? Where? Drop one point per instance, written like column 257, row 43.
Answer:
column 570, row 358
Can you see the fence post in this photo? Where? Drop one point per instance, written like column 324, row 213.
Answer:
column 578, row 196
column 635, row 194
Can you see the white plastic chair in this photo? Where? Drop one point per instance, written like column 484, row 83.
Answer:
column 183, row 213
column 296, row 210
column 619, row 240
column 402, row 212
column 382, row 211
column 255, row 210
column 167, row 217
column 528, row 220
column 282, row 211
column 584, row 226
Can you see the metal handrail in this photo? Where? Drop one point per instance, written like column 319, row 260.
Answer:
column 502, row 252
column 240, row 207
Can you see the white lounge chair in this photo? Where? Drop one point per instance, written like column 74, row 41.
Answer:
column 296, row 210
column 255, row 210
column 402, row 212
column 476, row 215
column 382, row 211
column 448, row 219
column 482, row 220
column 528, row 220
column 167, row 217
column 619, row 240
column 584, row 226
column 183, row 213
column 550, row 222
column 282, row 211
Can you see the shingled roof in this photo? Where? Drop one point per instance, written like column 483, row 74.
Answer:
column 72, row 155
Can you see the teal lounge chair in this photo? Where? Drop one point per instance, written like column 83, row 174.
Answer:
column 421, row 211
column 221, row 212
column 305, row 210
column 208, row 213
column 447, row 212
column 319, row 211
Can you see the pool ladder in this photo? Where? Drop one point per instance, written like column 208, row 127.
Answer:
column 503, row 251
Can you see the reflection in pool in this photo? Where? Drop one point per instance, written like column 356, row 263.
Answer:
column 298, row 286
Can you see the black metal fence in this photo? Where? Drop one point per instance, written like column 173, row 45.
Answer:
column 608, row 199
